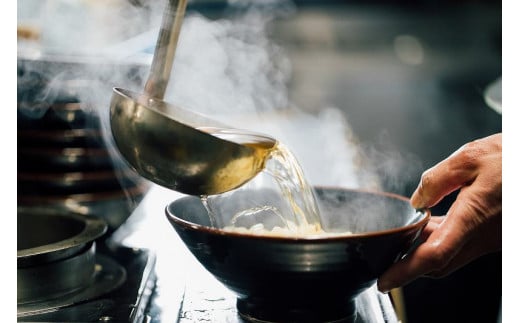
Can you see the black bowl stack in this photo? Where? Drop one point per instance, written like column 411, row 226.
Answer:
column 64, row 160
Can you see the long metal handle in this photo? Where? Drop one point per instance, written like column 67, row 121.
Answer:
column 165, row 49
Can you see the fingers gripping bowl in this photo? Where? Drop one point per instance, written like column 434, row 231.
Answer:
column 314, row 278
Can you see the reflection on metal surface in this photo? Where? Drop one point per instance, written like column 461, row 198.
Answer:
column 205, row 299
column 123, row 283
column 163, row 143
column 107, row 276
column 398, row 302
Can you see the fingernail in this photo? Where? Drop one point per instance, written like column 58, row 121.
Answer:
column 416, row 201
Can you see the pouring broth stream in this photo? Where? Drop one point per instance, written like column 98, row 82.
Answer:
column 280, row 164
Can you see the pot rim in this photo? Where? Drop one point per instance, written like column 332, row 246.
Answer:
column 94, row 227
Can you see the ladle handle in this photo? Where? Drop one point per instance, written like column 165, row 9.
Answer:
column 165, row 48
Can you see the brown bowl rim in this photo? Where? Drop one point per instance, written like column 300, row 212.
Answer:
column 311, row 238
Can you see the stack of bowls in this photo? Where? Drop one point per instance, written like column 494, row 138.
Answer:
column 64, row 160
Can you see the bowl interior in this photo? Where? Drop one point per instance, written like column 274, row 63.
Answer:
column 348, row 211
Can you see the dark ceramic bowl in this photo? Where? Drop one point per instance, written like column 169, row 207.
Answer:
column 309, row 279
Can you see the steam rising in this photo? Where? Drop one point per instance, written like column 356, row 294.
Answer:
column 227, row 68
column 392, row 167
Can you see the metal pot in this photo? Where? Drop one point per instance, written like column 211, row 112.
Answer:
column 55, row 254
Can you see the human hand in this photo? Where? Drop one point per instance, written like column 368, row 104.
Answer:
column 472, row 226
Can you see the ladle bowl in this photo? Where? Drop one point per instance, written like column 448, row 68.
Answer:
column 176, row 148
column 183, row 150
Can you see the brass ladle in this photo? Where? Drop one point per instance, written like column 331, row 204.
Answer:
column 174, row 147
